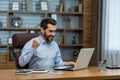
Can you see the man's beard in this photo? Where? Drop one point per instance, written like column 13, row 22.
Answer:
column 48, row 38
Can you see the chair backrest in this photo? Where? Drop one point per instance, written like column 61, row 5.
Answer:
column 18, row 41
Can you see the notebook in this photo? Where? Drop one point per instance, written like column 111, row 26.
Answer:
column 82, row 62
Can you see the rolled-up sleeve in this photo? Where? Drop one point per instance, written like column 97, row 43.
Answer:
column 27, row 53
column 58, row 59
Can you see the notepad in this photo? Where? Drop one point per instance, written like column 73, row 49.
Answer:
column 29, row 71
column 23, row 72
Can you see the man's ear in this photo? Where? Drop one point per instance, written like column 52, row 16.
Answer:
column 42, row 30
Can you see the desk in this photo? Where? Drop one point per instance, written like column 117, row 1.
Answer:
column 86, row 74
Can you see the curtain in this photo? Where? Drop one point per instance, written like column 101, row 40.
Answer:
column 96, row 31
column 111, row 31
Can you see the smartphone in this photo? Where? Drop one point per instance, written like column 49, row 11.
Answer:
column 24, row 72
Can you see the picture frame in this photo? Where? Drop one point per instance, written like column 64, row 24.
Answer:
column 9, row 40
column 54, row 16
column 44, row 5
column 15, row 5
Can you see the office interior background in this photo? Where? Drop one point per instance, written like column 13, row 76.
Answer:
column 99, row 21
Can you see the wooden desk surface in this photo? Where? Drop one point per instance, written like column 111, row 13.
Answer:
column 91, row 73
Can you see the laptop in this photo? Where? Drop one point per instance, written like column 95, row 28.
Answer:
column 82, row 61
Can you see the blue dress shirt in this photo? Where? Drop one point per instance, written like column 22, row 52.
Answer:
column 47, row 55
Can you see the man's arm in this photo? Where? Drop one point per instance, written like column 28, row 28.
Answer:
column 28, row 50
column 59, row 62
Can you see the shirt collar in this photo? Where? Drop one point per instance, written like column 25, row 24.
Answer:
column 42, row 39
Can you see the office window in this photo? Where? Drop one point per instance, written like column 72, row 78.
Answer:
column 111, row 31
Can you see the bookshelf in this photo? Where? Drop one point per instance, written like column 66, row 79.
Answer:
column 79, row 13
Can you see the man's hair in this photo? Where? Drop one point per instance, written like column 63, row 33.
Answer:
column 47, row 21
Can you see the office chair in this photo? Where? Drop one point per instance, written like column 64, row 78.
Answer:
column 18, row 41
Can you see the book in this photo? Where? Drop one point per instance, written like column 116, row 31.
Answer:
column 80, row 8
column 3, row 57
column 61, row 7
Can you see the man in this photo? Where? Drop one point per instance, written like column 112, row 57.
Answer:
column 42, row 51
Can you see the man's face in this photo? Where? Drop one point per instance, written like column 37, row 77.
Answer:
column 49, row 33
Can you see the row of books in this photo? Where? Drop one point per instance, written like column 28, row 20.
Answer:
column 3, row 57
column 72, row 8
column 61, row 8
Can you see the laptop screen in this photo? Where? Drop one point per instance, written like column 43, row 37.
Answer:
column 82, row 62
column 84, row 58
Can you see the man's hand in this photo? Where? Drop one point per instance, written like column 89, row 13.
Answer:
column 36, row 43
column 71, row 63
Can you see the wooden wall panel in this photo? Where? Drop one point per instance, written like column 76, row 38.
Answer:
column 87, row 23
